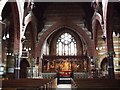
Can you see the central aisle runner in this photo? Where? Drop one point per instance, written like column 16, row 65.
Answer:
column 63, row 87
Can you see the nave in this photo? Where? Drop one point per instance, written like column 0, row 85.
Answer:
column 51, row 84
column 78, row 40
column 48, row 37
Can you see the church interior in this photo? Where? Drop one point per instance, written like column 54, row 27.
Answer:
column 39, row 40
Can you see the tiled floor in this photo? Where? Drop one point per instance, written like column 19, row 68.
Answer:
column 63, row 87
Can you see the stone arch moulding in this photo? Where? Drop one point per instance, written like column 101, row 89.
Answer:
column 102, row 58
column 27, row 20
column 2, row 4
column 19, row 14
column 95, row 23
column 32, row 35
column 105, row 9
column 95, row 31
column 72, row 26
column 98, row 18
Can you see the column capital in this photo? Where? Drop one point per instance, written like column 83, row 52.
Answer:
column 110, row 53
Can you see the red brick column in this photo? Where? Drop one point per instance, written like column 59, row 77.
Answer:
column 16, row 40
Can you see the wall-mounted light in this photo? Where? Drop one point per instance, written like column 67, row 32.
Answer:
column 9, row 54
column 97, row 48
column 4, row 37
column 24, row 48
column 23, row 39
column 118, row 35
column 100, row 48
column 7, row 36
column 29, row 49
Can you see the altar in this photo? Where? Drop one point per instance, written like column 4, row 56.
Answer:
column 75, row 64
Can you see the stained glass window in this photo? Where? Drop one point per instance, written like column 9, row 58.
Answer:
column 66, row 45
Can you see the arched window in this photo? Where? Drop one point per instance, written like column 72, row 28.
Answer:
column 66, row 45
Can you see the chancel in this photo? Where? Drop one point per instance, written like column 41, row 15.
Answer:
column 46, row 44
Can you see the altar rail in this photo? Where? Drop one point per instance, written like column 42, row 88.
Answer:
column 48, row 75
column 80, row 75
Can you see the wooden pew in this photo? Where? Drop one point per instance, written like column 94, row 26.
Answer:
column 29, row 83
column 96, row 84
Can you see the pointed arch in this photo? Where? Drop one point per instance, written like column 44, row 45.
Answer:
column 64, row 41
column 30, row 28
column 2, row 5
column 72, row 26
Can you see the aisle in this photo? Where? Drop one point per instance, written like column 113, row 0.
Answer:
column 64, row 87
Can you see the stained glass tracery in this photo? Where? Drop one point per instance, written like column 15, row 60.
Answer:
column 66, row 45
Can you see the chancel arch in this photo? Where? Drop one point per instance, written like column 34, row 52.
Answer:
column 59, row 24
column 65, row 52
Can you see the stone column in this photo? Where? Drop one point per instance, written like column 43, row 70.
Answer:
column 17, row 66
column 109, row 40
column 110, row 65
column 96, row 68
column 92, row 67
column 0, row 41
column 40, row 67
column 88, row 66
column 1, row 66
